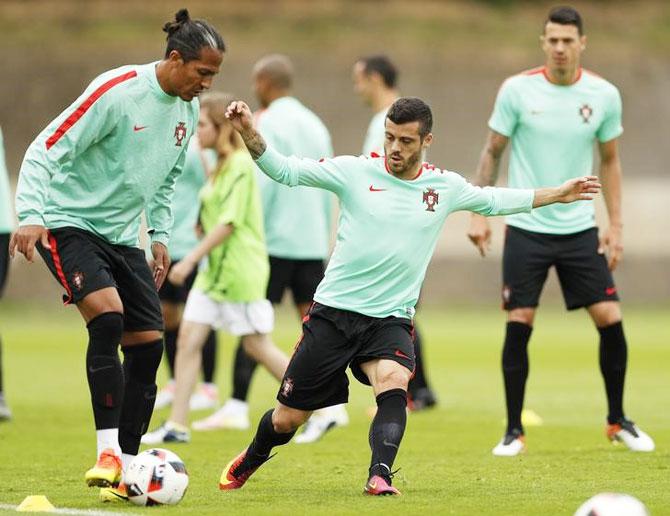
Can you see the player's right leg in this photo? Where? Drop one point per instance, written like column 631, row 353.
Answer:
column 5, row 413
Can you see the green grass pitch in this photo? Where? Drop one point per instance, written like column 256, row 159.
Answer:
column 447, row 467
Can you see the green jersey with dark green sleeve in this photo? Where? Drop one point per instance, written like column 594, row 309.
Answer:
column 387, row 227
column 115, row 152
column 553, row 129
column 6, row 212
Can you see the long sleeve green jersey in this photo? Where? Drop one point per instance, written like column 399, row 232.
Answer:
column 388, row 227
column 114, row 153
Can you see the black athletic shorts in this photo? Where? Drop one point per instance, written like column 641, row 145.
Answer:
column 301, row 276
column 177, row 294
column 333, row 339
column 4, row 260
column 583, row 273
column 83, row 263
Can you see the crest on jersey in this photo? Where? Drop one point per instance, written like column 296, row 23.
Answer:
column 180, row 133
column 430, row 198
column 78, row 280
column 585, row 112
column 287, row 387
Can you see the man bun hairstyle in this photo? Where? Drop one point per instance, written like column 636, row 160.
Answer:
column 565, row 15
column 188, row 36
column 412, row 109
column 383, row 66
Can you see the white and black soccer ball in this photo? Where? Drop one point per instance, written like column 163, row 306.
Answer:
column 612, row 504
column 156, row 477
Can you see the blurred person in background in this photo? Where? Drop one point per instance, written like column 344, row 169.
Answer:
column 7, row 225
column 375, row 80
column 85, row 180
column 297, row 225
column 229, row 291
column 185, row 209
column 554, row 115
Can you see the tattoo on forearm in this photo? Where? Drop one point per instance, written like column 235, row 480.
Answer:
column 255, row 143
column 487, row 172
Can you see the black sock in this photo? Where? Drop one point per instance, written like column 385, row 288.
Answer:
column 243, row 370
column 140, row 363
column 419, row 380
column 386, row 431
column 103, row 369
column 515, row 371
column 265, row 439
column 209, row 357
column 613, row 357
column 171, row 348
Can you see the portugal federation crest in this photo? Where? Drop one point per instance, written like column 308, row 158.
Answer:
column 585, row 112
column 430, row 198
column 287, row 387
column 179, row 133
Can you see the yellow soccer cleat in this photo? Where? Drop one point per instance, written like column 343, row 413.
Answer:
column 114, row 494
column 107, row 470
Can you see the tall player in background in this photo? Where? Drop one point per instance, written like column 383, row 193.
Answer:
column 7, row 225
column 554, row 115
column 375, row 80
column 185, row 209
column 85, row 180
column 297, row 230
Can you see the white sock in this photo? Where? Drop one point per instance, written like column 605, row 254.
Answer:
column 108, row 438
column 126, row 459
column 237, row 406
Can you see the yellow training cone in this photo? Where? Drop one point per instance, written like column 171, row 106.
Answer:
column 35, row 503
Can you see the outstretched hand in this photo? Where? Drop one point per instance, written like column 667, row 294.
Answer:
column 579, row 189
column 240, row 116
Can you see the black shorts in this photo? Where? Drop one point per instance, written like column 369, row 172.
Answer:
column 333, row 339
column 83, row 263
column 177, row 294
column 583, row 273
column 4, row 260
column 301, row 276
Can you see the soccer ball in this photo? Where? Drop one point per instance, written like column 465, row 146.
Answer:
column 156, row 477
column 612, row 504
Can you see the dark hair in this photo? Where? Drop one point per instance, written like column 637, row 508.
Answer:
column 188, row 36
column 564, row 15
column 412, row 109
column 383, row 66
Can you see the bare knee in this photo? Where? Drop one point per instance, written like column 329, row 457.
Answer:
column 396, row 379
column 286, row 420
column 521, row 315
column 605, row 313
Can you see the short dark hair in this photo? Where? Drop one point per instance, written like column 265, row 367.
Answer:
column 188, row 36
column 383, row 66
column 412, row 109
column 564, row 15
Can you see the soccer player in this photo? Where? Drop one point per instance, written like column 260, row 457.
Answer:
column 185, row 209
column 554, row 114
column 297, row 225
column 392, row 211
column 84, row 182
column 229, row 291
column 375, row 80
column 6, row 227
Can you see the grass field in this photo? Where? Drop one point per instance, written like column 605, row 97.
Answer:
column 447, row 467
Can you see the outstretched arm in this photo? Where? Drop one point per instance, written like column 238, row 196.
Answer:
column 576, row 189
column 241, row 117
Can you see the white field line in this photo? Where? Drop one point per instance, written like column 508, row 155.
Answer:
column 84, row 512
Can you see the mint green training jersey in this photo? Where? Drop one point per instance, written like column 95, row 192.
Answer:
column 297, row 220
column 116, row 151
column 553, row 129
column 186, row 202
column 6, row 212
column 387, row 227
column 374, row 138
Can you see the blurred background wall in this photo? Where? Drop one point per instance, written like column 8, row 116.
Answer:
column 454, row 54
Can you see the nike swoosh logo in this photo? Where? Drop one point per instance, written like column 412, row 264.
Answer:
column 373, row 189
column 372, row 485
column 139, row 127
column 96, row 369
column 386, row 443
column 400, row 354
column 535, row 112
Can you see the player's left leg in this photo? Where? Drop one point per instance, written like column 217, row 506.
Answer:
column 5, row 413
column 420, row 394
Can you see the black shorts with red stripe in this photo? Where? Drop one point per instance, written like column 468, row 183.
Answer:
column 333, row 340
column 84, row 263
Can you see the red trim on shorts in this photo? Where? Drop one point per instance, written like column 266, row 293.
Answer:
column 84, row 106
column 59, row 268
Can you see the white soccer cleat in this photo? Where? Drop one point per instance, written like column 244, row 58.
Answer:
column 205, row 398
column 5, row 412
column 627, row 432
column 165, row 396
column 168, row 432
column 510, row 445
column 322, row 421
column 233, row 415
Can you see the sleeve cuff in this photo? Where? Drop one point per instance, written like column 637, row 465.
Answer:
column 32, row 220
column 160, row 236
